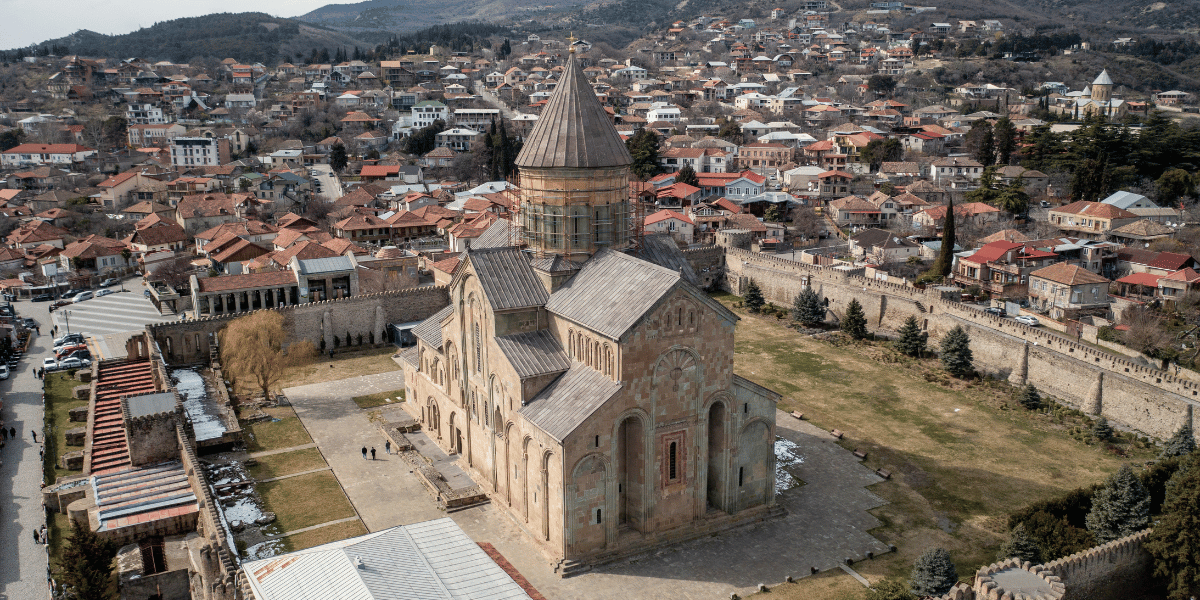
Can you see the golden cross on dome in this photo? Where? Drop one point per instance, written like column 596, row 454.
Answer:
column 571, row 38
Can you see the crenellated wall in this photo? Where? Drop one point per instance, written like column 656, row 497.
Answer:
column 1147, row 399
column 189, row 342
column 1118, row 569
column 219, row 571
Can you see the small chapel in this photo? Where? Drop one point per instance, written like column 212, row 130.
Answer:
column 579, row 374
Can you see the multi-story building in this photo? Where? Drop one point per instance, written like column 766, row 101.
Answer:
column 199, row 152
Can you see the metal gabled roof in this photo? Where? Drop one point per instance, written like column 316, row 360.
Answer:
column 568, row 401
column 612, row 292
column 573, row 129
column 533, row 353
column 506, row 278
column 430, row 330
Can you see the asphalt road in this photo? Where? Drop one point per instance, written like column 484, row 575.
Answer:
column 23, row 562
column 331, row 185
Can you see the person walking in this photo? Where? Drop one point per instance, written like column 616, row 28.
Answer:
column 387, row 446
column 372, row 453
column 364, row 453
column 12, row 432
column 34, row 432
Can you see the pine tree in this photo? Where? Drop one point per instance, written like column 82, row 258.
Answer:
column 807, row 309
column 1020, row 545
column 855, row 321
column 754, row 297
column 933, row 574
column 1030, row 398
column 87, row 561
column 1101, row 430
column 912, row 340
column 1180, row 444
column 1120, row 508
column 337, row 157
column 956, row 352
column 1174, row 543
column 687, row 175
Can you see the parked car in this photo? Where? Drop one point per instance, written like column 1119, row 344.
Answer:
column 76, row 353
column 100, row 293
column 49, row 364
column 70, row 337
column 992, row 310
column 1029, row 320
column 43, row 297
column 3, row 371
column 83, row 296
column 29, row 323
column 59, row 304
column 71, row 293
column 73, row 363
column 66, row 351
column 110, row 281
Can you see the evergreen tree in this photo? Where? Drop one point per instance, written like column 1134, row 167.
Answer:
column 933, row 574
column 1006, row 140
column 643, row 147
column 1120, row 508
column 855, row 321
column 1101, row 430
column 87, row 561
column 1030, row 398
column 912, row 340
column 1013, row 197
column 1020, row 545
column 505, row 49
column 807, row 309
column 945, row 260
column 1180, row 444
column 956, row 352
column 890, row 589
column 687, row 175
column 337, row 157
column 1174, row 544
column 981, row 140
column 754, row 297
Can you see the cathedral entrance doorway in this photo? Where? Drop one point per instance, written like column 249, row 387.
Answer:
column 716, row 456
column 631, row 472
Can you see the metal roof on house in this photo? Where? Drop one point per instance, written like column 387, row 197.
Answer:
column 433, row 560
column 430, row 330
column 534, row 353
column 506, row 278
column 497, row 235
column 564, row 404
column 333, row 264
column 150, row 404
column 573, row 130
column 611, row 292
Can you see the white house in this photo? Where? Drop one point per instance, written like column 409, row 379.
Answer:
column 44, row 154
column 425, row 113
column 678, row 225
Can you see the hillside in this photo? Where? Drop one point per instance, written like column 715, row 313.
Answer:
column 250, row 37
column 408, row 15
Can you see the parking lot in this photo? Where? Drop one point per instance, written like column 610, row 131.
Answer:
column 116, row 313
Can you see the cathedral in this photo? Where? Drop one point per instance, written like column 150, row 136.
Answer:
column 579, row 374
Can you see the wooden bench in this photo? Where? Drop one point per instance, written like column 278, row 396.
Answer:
column 799, row 415
column 860, row 453
column 884, row 473
column 836, row 433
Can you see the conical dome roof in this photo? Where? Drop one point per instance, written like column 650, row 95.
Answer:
column 1103, row 78
column 573, row 129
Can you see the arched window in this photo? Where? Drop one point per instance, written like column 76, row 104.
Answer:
column 679, row 317
column 671, row 468
column 478, row 351
column 691, row 318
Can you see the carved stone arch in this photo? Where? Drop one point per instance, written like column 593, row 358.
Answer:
column 605, row 464
column 633, row 474
column 716, row 437
column 675, row 357
column 571, row 342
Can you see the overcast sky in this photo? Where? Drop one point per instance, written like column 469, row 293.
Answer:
column 32, row 21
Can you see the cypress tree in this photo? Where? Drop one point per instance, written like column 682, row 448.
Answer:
column 1120, row 508
column 933, row 574
column 1030, row 398
column 956, row 352
column 945, row 260
column 1101, row 430
column 912, row 340
column 1180, row 444
column 1174, row 543
column 754, row 297
column 807, row 308
column 855, row 321
column 1020, row 545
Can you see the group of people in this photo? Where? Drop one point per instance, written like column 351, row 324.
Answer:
column 387, row 447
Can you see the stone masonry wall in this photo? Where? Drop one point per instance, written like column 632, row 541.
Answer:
column 1144, row 398
column 1118, row 569
column 189, row 342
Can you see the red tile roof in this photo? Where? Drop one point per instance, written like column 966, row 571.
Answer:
column 244, row 281
column 1068, row 274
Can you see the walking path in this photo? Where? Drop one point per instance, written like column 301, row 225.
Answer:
column 312, row 527
column 280, row 450
column 22, row 561
column 290, row 475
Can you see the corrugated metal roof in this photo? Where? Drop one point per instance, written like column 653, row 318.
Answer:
column 434, row 560
column 534, row 353
column 507, row 279
column 662, row 250
column 569, row 400
column 573, row 130
column 612, row 292
column 497, row 235
column 313, row 266
column 430, row 330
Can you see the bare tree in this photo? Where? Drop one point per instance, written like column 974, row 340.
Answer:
column 318, row 209
column 175, row 272
column 806, row 224
column 1145, row 333
column 255, row 348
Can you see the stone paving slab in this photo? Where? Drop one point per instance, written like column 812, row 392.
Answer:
column 827, row 519
column 281, row 450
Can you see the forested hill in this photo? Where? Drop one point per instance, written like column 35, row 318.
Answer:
column 408, row 15
column 249, row 37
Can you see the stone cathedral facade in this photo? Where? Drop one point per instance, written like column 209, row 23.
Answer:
column 588, row 389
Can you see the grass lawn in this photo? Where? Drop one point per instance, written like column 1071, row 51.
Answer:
column 379, row 399
column 58, row 404
column 324, row 535
column 962, row 454
column 303, row 501
column 344, row 364
column 286, row 432
column 830, row 585
column 286, row 463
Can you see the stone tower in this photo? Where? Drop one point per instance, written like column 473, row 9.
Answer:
column 574, row 174
column 1102, row 88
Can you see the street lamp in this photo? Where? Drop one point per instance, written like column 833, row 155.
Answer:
column 67, row 318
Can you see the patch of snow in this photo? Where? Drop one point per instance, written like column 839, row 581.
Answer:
column 265, row 549
column 244, row 509
column 787, row 456
column 205, row 420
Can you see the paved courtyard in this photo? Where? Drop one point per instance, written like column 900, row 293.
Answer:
column 826, row 522
column 116, row 313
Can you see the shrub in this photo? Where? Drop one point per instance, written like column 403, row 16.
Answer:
column 1119, row 508
column 1101, row 430
column 1030, row 398
column 890, row 589
column 933, row 574
column 854, row 322
column 754, row 297
column 956, row 353
column 912, row 340
column 1020, row 545
column 1180, row 444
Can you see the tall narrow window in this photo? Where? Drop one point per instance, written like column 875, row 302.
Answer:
column 741, row 472
column 671, row 458
column 599, row 518
column 478, row 350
